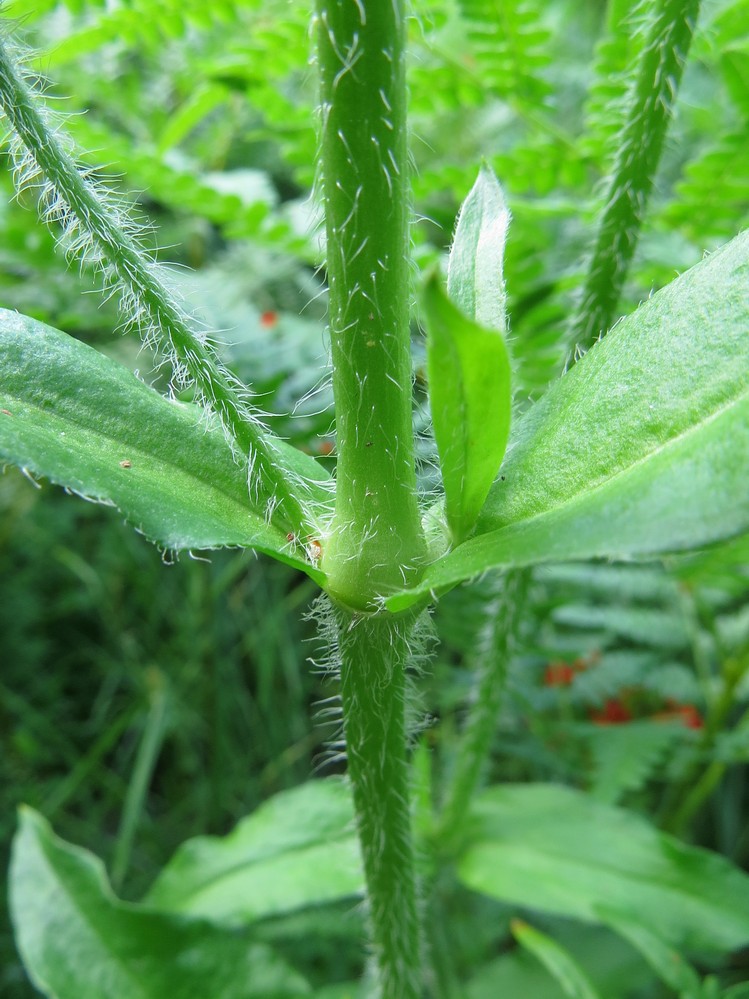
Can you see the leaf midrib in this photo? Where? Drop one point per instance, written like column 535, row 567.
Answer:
column 581, row 495
column 209, row 484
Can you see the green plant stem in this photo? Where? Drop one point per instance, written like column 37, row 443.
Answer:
column 376, row 542
column 651, row 102
column 76, row 200
column 493, row 652
column 374, row 651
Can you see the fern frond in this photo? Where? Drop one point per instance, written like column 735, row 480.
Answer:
column 712, row 199
column 510, row 46
column 626, row 757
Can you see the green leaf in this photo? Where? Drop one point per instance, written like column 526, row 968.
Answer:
column 641, row 448
column 475, row 281
column 469, row 391
column 297, row 849
column 556, row 959
column 77, row 417
column 553, row 849
column 666, row 962
column 78, row 941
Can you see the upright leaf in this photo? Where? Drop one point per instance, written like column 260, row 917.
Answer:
column 78, row 941
column 469, row 390
column 467, row 361
column 475, row 279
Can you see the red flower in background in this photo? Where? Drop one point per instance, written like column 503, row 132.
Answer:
column 687, row 714
column 614, row 712
column 559, row 674
column 268, row 319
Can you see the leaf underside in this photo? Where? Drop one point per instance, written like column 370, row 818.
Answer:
column 642, row 448
column 551, row 848
column 299, row 848
column 82, row 420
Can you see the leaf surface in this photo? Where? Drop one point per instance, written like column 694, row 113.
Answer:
column 87, row 423
column 555, row 850
column 642, row 448
column 475, row 280
column 297, row 849
column 469, row 393
column 78, row 941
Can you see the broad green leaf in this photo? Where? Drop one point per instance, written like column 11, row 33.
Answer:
column 297, row 849
column 78, row 941
column 558, row 961
column 666, row 962
column 642, row 448
column 469, row 393
column 475, row 281
column 553, row 849
column 77, row 417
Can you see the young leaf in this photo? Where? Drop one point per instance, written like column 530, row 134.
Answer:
column 77, row 417
column 556, row 959
column 297, row 849
column 78, row 941
column 475, row 281
column 469, row 391
column 553, row 849
column 641, row 448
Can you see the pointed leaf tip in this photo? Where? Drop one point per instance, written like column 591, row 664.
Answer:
column 475, row 278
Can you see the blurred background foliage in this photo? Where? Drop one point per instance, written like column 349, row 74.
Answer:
column 143, row 702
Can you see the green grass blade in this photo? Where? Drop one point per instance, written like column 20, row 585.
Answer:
column 556, row 959
column 87, row 423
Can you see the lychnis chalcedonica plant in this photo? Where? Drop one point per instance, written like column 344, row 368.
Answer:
column 641, row 448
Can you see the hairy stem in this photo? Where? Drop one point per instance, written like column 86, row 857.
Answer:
column 376, row 543
column 374, row 652
column 493, row 652
column 651, row 102
column 94, row 228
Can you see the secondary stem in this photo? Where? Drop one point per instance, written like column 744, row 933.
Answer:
column 376, row 542
column 374, row 652
column 651, row 103
column 74, row 201
column 493, row 652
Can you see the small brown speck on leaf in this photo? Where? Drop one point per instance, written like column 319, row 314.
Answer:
column 126, row 464
column 6, row 411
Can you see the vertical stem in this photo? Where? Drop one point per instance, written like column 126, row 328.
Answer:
column 494, row 650
column 376, row 541
column 651, row 102
column 374, row 652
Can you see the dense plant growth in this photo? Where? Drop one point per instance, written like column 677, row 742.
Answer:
column 474, row 816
